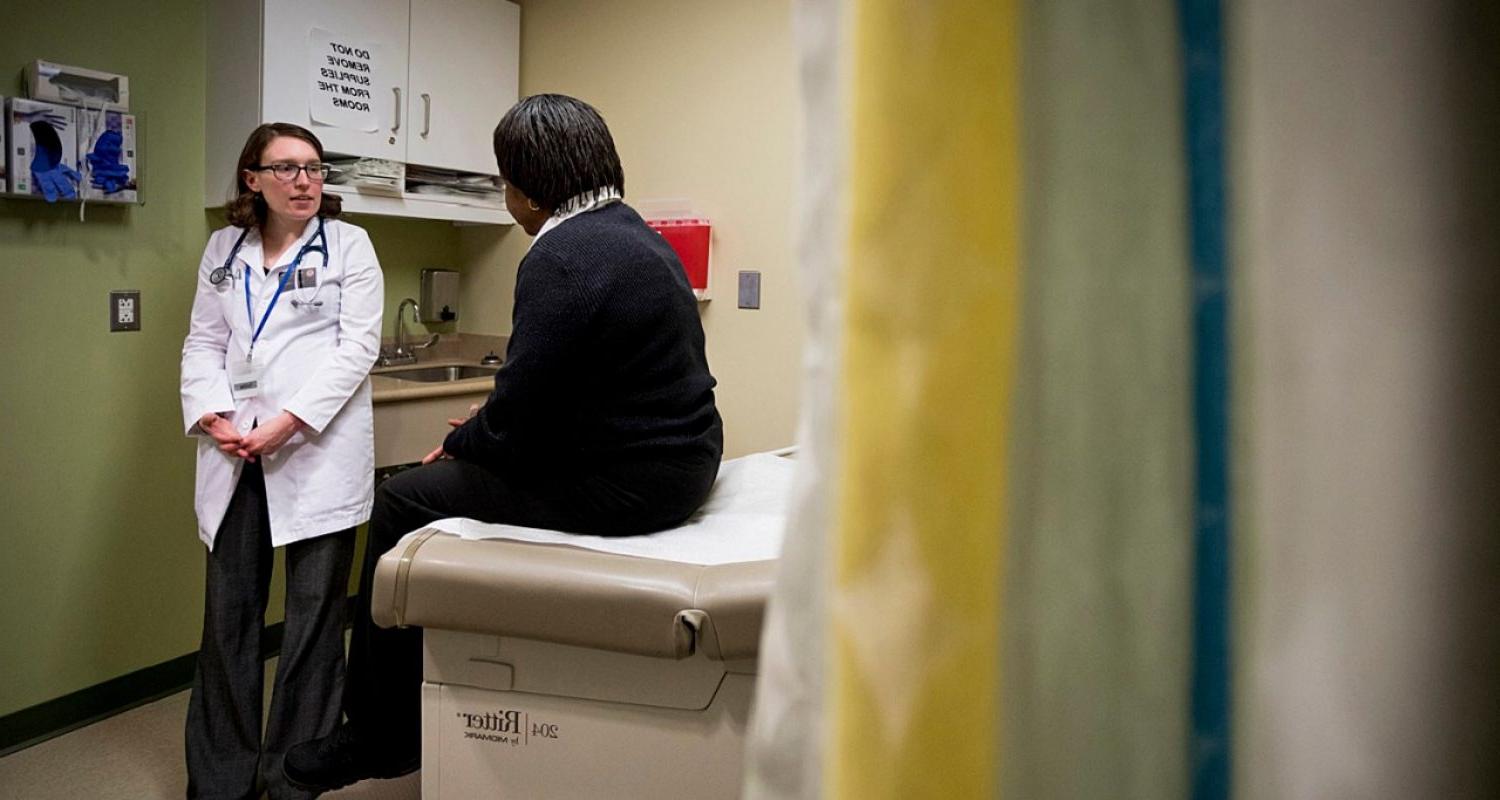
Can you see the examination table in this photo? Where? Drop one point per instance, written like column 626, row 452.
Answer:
column 560, row 666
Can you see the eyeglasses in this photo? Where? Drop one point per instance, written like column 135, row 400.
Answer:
column 288, row 172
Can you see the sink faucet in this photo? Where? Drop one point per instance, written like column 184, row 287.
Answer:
column 404, row 354
column 401, row 351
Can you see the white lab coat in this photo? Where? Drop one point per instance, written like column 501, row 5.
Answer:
column 318, row 360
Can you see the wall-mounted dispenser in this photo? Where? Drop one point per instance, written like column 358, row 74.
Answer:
column 43, row 149
column 689, row 234
column 439, row 300
column 90, row 88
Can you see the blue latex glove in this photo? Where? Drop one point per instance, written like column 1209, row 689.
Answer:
column 105, row 170
column 48, row 171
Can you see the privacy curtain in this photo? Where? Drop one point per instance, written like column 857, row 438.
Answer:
column 985, row 587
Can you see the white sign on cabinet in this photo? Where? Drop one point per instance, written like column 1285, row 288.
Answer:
column 344, row 73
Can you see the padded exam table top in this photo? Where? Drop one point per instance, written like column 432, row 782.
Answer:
column 700, row 588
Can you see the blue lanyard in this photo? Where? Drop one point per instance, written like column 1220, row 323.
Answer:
column 280, row 287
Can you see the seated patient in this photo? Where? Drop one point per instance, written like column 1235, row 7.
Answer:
column 602, row 420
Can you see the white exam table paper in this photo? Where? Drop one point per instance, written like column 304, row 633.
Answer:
column 742, row 520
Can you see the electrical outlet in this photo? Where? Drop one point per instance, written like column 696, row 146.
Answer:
column 125, row 310
column 750, row 289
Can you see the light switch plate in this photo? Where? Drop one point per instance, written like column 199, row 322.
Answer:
column 125, row 310
column 749, row 289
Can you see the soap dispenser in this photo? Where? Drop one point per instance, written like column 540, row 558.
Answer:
column 439, row 302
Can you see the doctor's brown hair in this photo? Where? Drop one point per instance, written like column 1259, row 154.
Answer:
column 247, row 209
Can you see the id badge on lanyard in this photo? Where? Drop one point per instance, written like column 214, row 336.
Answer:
column 245, row 377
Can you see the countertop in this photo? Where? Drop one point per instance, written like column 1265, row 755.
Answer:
column 390, row 390
column 466, row 349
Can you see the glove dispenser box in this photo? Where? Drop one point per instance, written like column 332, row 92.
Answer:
column 106, row 151
column 42, row 150
column 439, row 296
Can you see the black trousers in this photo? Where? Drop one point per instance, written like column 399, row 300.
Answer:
column 382, row 697
column 224, row 739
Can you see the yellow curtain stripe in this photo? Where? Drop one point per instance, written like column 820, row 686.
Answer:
column 932, row 271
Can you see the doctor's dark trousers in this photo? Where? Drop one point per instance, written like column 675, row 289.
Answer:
column 382, row 697
column 224, row 739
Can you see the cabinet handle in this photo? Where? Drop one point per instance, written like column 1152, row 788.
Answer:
column 426, row 114
column 397, row 126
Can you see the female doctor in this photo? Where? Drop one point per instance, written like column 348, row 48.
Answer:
column 285, row 328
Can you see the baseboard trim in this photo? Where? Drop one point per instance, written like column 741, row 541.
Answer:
column 31, row 726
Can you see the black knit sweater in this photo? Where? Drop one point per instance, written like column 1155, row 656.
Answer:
column 605, row 363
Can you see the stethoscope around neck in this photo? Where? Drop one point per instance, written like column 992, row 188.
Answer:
column 318, row 243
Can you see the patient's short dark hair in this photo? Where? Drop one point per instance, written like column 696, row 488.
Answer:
column 553, row 147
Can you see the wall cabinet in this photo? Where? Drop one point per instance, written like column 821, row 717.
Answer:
column 425, row 84
column 464, row 75
column 289, row 58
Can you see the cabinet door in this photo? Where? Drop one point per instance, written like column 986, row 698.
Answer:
column 465, row 63
column 360, row 108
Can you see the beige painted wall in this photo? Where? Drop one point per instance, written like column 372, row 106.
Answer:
column 1367, row 154
column 702, row 100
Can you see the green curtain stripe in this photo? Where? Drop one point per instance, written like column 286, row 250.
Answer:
column 1096, row 640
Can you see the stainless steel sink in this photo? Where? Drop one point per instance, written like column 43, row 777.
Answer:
column 455, row 372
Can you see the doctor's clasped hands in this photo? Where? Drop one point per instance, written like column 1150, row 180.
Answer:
column 265, row 440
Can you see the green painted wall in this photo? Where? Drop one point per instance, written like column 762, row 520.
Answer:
column 102, row 572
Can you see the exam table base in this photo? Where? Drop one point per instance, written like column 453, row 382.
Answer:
column 514, row 718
